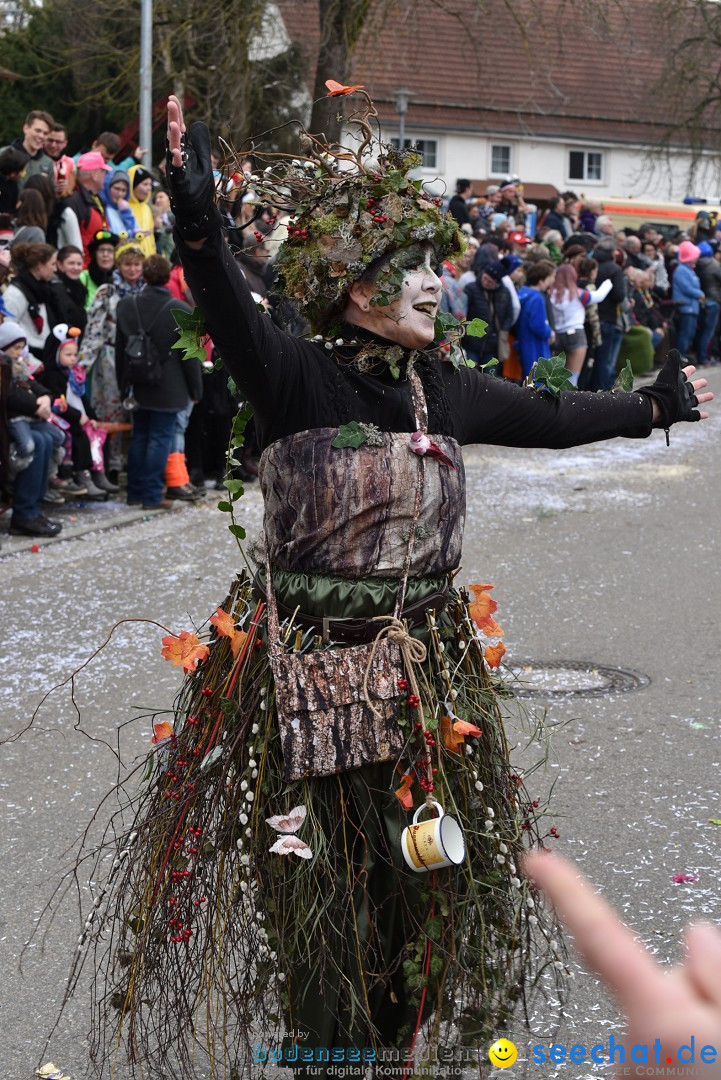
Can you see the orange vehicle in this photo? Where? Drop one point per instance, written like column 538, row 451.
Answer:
column 667, row 217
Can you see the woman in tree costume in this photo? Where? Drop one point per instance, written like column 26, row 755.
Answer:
column 260, row 908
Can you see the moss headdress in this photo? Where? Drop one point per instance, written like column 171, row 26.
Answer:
column 351, row 208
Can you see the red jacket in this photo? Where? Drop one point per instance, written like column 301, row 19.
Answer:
column 90, row 214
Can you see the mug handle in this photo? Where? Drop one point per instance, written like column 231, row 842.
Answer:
column 424, row 806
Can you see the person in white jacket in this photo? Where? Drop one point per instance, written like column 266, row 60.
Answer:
column 30, row 297
column 569, row 304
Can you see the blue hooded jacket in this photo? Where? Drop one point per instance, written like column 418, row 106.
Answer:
column 532, row 329
column 686, row 289
column 120, row 222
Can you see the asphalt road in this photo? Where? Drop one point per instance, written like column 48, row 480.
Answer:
column 607, row 554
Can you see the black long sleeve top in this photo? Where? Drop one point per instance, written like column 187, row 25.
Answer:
column 297, row 384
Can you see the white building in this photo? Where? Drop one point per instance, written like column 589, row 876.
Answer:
column 561, row 94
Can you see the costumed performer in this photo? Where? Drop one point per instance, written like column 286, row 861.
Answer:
column 266, row 889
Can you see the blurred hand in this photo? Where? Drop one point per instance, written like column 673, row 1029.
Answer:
column 659, row 1003
column 42, row 407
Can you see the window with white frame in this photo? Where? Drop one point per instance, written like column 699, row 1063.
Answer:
column 428, row 148
column 585, row 165
column 500, row 159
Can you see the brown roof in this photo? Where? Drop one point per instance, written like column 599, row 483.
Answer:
column 522, row 68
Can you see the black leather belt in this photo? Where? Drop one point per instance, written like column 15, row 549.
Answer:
column 356, row 631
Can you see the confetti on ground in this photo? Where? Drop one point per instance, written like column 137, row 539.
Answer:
column 682, row 879
column 51, row 1072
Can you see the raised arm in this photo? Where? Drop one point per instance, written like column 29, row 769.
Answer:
column 260, row 356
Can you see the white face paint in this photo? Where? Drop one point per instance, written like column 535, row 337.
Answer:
column 409, row 320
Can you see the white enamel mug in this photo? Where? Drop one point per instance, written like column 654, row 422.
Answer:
column 430, row 845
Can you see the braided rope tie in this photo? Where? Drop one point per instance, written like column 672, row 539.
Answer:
column 413, row 653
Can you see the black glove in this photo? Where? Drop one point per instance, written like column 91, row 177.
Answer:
column 673, row 393
column 192, row 186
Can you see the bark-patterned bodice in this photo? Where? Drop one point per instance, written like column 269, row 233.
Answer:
column 348, row 511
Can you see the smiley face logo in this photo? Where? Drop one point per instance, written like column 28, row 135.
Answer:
column 502, row 1054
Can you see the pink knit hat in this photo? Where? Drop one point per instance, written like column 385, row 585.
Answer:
column 688, row 252
column 91, row 161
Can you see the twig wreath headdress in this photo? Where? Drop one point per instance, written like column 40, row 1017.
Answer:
column 351, row 209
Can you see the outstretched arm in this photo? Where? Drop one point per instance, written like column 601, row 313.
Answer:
column 668, row 1006
column 490, row 410
column 263, row 360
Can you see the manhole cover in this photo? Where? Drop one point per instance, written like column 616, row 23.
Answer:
column 566, row 678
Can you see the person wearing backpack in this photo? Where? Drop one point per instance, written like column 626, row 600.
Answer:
column 153, row 374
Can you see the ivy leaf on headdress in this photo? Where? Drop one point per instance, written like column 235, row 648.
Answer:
column 192, row 334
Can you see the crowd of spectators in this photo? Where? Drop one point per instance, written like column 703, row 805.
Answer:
column 88, row 268
column 578, row 286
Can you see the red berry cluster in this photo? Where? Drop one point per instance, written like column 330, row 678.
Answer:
column 555, row 833
column 403, row 684
column 414, row 701
column 186, row 932
column 182, row 927
column 207, row 692
column 258, row 235
column 437, row 201
column 302, row 234
column 378, row 216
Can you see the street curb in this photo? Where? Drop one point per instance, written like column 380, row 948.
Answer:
column 22, row 544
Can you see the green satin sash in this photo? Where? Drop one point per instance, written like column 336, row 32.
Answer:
column 347, row 598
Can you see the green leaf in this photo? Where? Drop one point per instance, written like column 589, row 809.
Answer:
column 493, row 362
column 433, row 929
column 476, row 328
column 552, row 374
column 437, row 963
column 350, row 435
column 443, row 904
column 225, row 507
column 191, row 333
column 234, row 486
column 237, row 530
column 624, row 379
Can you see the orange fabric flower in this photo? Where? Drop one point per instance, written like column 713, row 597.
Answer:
column 494, row 653
column 483, row 606
column 184, row 651
column 162, row 732
column 452, row 739
column 462, row 727
column 335, row 89
column 223, row 622
column 403, row 793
